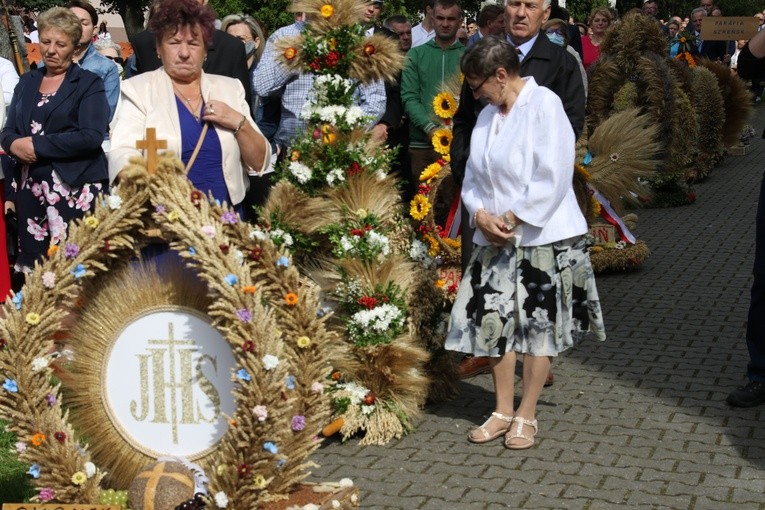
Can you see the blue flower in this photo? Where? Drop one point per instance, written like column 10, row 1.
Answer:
column 192, row 251
column 231, row 279
column 11, row 386
column 34, row 470
column 587, row 159
column 283, row 262
column 79, row 271
column 243, row 375
column 290, row 382
column 270, row 447
column 17, row 299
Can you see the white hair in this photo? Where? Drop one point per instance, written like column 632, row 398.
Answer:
column 545, row 3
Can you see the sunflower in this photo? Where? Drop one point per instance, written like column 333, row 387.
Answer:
column 430, row 172
column 445, row 105
column 327, row 11
column 419, row 207
column 442, row 140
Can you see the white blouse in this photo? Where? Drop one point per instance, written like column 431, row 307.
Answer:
column 526, row 168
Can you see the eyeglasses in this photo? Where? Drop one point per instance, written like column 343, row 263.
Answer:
column 476, row 89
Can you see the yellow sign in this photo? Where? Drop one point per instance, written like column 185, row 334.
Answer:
column 730, row 28
column 45, row 506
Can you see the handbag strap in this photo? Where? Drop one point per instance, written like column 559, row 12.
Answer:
column 196, row 149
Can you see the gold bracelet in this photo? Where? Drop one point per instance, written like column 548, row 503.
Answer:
column 241, row 123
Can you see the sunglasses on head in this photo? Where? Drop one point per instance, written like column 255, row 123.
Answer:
column 119, row 60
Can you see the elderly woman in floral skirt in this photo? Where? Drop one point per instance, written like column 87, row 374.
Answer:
column 528, row 289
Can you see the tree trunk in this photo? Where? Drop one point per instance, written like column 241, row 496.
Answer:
column 133, row 17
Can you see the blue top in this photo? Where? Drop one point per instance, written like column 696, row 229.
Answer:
column 206, row 174
column 96, row 63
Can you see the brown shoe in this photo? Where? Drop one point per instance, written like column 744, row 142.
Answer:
column 473, row 365
column 550, row 379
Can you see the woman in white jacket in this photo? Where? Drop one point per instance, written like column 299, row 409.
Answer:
column 529, row 288
column 204, row 117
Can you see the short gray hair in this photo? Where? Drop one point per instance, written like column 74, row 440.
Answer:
column 698, row 9
column 62, row 19
column 545, row 3
column 487, row 55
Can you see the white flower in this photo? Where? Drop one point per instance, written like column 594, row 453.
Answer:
column 301, row 172
column 90, row 469
column 258, row 233
column 311, row 506
column 378, row 242
column 39, row 364
column 346, row 244
column 379, row 319
column 114, row 202
column 335, row 175
column 346, row 483
column 270, row 361
column 317, row 387
column 367, row 410
column 221, row 500
column 261, row 412
column 335, row 503
column 354, row 115
column 49, row 279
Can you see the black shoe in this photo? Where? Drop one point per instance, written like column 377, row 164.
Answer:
column 753, row 394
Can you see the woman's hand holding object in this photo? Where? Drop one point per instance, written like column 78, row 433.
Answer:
column 496, row 230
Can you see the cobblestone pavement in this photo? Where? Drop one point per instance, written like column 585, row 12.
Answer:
column 639, row 421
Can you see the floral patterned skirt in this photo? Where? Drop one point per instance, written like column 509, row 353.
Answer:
column 536, row 300
column 45, row 205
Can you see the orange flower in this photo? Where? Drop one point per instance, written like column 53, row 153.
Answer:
column 290, row 53
column 232, row 422
column 369, row 50
column 52, row 250
column 327, row 11
column 336, row 375
column 248, row 289
column 291, row 299
column 295, row 156
column 38, row 439
column 440, row 283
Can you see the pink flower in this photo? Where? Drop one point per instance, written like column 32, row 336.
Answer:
column 209, row 231
column 36, row 127
column 317, row 387
column 298, row 423
column 260, row 412
column 46, row 494
column 36, row 230
column 85, row 199
column 56, row 225
column 49, row 279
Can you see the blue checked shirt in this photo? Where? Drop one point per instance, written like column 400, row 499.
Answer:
column 272, row 79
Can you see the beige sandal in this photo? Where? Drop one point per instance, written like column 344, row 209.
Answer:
column 486, row 435
column 517, row 433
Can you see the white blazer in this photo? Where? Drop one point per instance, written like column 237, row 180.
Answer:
column 148, row 100
column 526, row 168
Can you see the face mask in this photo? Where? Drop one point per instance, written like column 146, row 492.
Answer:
column 250, row 47
column 556, row 39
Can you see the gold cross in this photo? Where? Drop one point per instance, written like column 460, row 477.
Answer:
column 151, row 145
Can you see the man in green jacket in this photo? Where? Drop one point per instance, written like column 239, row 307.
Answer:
column 427, row 68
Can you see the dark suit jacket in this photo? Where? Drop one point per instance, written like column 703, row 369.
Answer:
column 225, row 56
column 714, row 50
column 552, row 67
column 76, row 125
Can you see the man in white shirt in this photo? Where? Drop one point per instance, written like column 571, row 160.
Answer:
column 425, row 31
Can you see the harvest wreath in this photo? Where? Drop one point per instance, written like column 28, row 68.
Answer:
column 259, row 303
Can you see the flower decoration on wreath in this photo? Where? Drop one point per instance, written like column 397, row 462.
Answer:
column 686, row 40
column 432, row 245
column 279, row 372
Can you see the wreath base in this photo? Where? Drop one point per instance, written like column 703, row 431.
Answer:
column 614, row 259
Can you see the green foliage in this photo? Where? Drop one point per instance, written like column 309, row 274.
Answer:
column 272, row 14
column 580, row 9
column 14, row 484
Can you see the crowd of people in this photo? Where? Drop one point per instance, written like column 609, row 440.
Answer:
column 230, row 110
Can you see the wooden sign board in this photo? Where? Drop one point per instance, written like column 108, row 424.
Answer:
column 728, row 28
column 604, row 234
column 48, row 506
